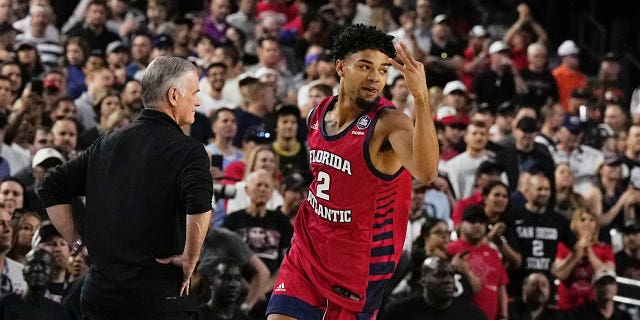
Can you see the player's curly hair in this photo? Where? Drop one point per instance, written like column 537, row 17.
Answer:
column 359, row 37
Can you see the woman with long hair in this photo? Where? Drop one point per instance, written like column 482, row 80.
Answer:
column 12, row 195
column 500, row 231
column 24, row 226
column 567, row 200
column 575, row 267
column 105, row 107
column 76, row 52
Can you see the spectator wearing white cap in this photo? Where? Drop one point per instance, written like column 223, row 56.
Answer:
column 501, row 81
column 568, row 76
column 452, row 127
column 445, row 58
column 476, row 55
column 455, row 95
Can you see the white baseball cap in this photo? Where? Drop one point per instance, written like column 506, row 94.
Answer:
column 498, row 46
column 567, row 48
column 452, row 86
column 445, row 111
column 44, row 154
column 478, row 31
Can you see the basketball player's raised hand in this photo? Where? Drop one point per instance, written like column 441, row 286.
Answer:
column 412, row 70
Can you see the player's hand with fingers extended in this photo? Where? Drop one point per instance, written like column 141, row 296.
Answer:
column 187, row 270
column 412, row 70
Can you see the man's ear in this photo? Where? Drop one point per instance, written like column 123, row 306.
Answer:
column 340, row 67
column 172, row 97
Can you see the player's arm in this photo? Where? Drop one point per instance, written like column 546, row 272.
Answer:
column 416, row 146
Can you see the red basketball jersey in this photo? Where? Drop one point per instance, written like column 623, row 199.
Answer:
column 349, row 232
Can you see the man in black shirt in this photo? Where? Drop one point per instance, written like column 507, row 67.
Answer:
column 538, row 232
column 535, row 300
column 628, row 259
column 148, row 197
column 501, row 81
column 227, row 288
column 603, row 307
column 32, row 304
column 94, row 29
column 437, row 301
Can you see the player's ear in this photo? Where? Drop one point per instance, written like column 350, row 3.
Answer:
column 340, row 67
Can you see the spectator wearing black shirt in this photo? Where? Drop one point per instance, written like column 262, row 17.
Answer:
column 268, row 233
column 534, row 304
column 51, row 241
column 437, row 299
column 501, row 81
column 259, row 102
column 628, row 259
column 291, row 152
column 541, row 85
column 32, row 304
column 148, row 191
column 603, row 307
column 227, row 288
column 94, row 28
column 445, row 56
column 538, row 232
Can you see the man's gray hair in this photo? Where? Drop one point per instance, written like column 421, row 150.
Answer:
column 161, row 74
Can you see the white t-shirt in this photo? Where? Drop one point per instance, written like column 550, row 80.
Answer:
column 241, row 200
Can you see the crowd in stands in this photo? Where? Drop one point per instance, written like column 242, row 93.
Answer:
column 534, row 214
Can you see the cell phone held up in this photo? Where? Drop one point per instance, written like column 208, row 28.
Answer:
column 216, row 161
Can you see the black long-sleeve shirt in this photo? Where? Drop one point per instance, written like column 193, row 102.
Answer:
column 139, row 183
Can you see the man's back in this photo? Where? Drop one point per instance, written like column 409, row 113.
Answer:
column 139, row 182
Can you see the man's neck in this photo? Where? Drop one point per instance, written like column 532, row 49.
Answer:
column 475, row 153
column 286, row 144
column 533, row 208
column 606, row 308
column 216, row 94
column 257, row 211
column 534, row 309
column 439, row 305
column 565, row 148
column 222, row 309
column 60, row 276
column 257, row 109
column 225, row 145
column 31, row 296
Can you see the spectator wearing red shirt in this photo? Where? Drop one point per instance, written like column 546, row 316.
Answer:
column 484, row 262
column 521, row 34
column 575, row 267
column 476, row 56
column 289, row 12
column 453, row 126
column 487, row 171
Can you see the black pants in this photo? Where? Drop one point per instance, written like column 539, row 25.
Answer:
column 97, row 311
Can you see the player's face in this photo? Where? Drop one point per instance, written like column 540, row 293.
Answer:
column 364, row 75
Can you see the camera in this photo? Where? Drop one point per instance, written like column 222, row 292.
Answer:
column 224, row 191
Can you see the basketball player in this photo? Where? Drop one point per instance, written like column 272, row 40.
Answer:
column 350, row 230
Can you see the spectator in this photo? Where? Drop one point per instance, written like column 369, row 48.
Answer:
column 609, row 84
column 49, row 239
column 65, row 137
column 32, row 304
column 99, row 82
column 36, row 10
column 11, row 277
column 576, row 267
column 401, row 96
column 157, row 14
column 455, row 94
column 76, row 51
column 628, row 259
column 326, row 76
column 106, row 107
column 475, row 55
column 616, row 117
column 227, row 288
column 6, row 96
column 501, row 81
column 132, row 97
column 245, row 18
column 484, row 262
column 124, row 19
column 117, row 56
column 221, row 243
column 216, row 75
column 215, row 25
column 568, row 76
column 605, row 289
column 12, row 196
column 224, row 128
column 48, row 44
column 541, row 85
column 140, row 53
column 445, row 56
column 437, row 300
column 500, row 232
column 292, row 154
column 270, row 56
column 267, row 232
column 24, row 227
column 294, row 191
column 452, row 127
column 567, row 200
column 259, row 102
column 552, row 116
column 13, row 71
column 487, row 171
column 407, row 33
column 610, row 197
column 261, row 157
column 417, row 214
column 538, row 232
column 254, row 137
column 523, row 33
column 28, row 58
column 15, row 159
column 94, row 28
column 583, row 160
column 534, row 302
column 461, row 169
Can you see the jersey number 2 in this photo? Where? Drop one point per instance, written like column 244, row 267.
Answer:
column 324, row 179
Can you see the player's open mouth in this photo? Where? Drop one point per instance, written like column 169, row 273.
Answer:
column 373, row 90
